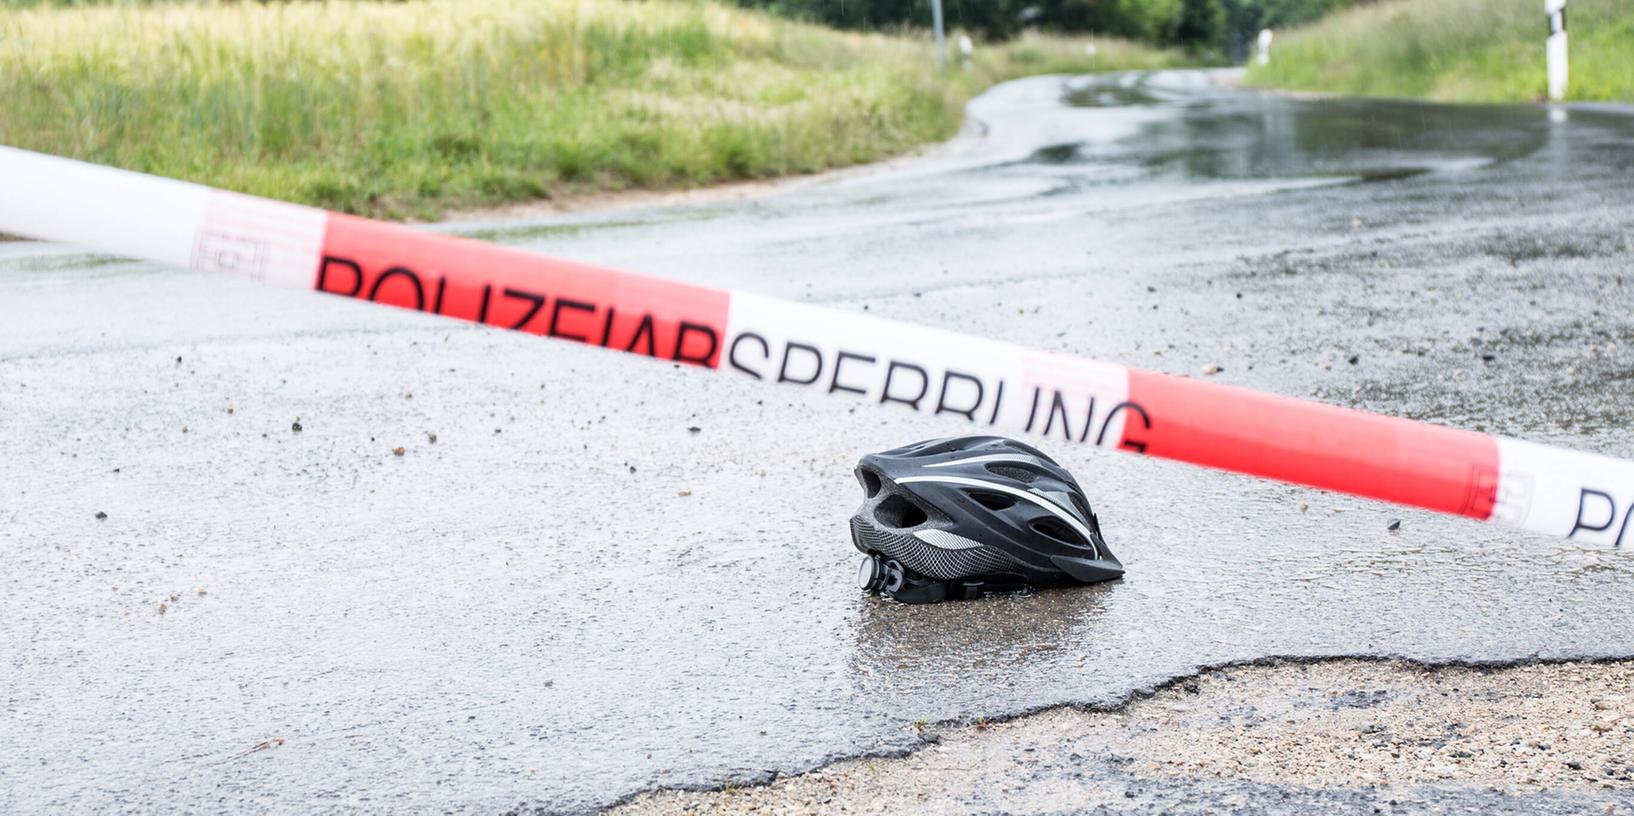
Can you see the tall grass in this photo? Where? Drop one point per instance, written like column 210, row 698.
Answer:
column 1455, row 50
column 409, row 109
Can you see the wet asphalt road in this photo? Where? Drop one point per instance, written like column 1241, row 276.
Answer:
column 569, row 596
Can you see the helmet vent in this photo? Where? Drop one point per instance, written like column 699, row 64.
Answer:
column 1083, row 508
column 899, row 513
column 1058, row 531
column 927, row 448
column 992, row 501
column 1012, row 472
column 870, row 482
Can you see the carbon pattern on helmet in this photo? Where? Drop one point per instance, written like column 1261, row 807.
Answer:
column 930, row 561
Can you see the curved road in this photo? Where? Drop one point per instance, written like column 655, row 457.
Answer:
column 605, row 575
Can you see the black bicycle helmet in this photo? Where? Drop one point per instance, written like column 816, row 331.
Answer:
column 971, row 516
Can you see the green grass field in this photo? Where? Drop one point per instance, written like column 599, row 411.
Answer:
column 1455, row 50
column 411, row 109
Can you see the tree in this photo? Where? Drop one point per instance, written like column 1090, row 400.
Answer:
column 1202, row 27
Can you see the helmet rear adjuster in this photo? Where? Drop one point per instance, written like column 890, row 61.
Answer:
column 890, row 579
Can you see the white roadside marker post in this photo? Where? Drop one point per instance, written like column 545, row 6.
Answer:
column 1556, row 48
column 967, row 50
column 936, row 20
column 1264, row 49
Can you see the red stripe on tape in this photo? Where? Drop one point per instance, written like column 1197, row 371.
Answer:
column 1309, row 443
column 505, row 287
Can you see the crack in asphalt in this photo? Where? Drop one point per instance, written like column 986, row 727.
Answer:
column 1132, row 697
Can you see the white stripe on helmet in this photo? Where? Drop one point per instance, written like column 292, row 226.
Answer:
column 1019, row 459
column 1035, row 498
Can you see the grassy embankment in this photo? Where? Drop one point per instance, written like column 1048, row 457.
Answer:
column 1455, row 50
column 412, row 109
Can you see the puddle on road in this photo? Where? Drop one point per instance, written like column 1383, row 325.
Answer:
column 1232, row 135
column 533, row 231
column 1106, row 95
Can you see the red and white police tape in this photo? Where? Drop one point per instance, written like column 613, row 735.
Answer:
column 986, row 383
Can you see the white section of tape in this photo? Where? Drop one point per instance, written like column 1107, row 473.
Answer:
column 155, row 219
column 1581, row 496
column 1082, row 397
column 990, row 383
column 264, row 241
column 119, row 212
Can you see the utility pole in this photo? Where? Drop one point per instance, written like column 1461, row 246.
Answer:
column 936, row 19
column 1556, row 48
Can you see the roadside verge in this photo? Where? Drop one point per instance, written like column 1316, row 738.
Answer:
column 411, row 110
column 1453, row 51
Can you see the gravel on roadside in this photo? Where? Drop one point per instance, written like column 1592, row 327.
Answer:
column 1342, row 724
